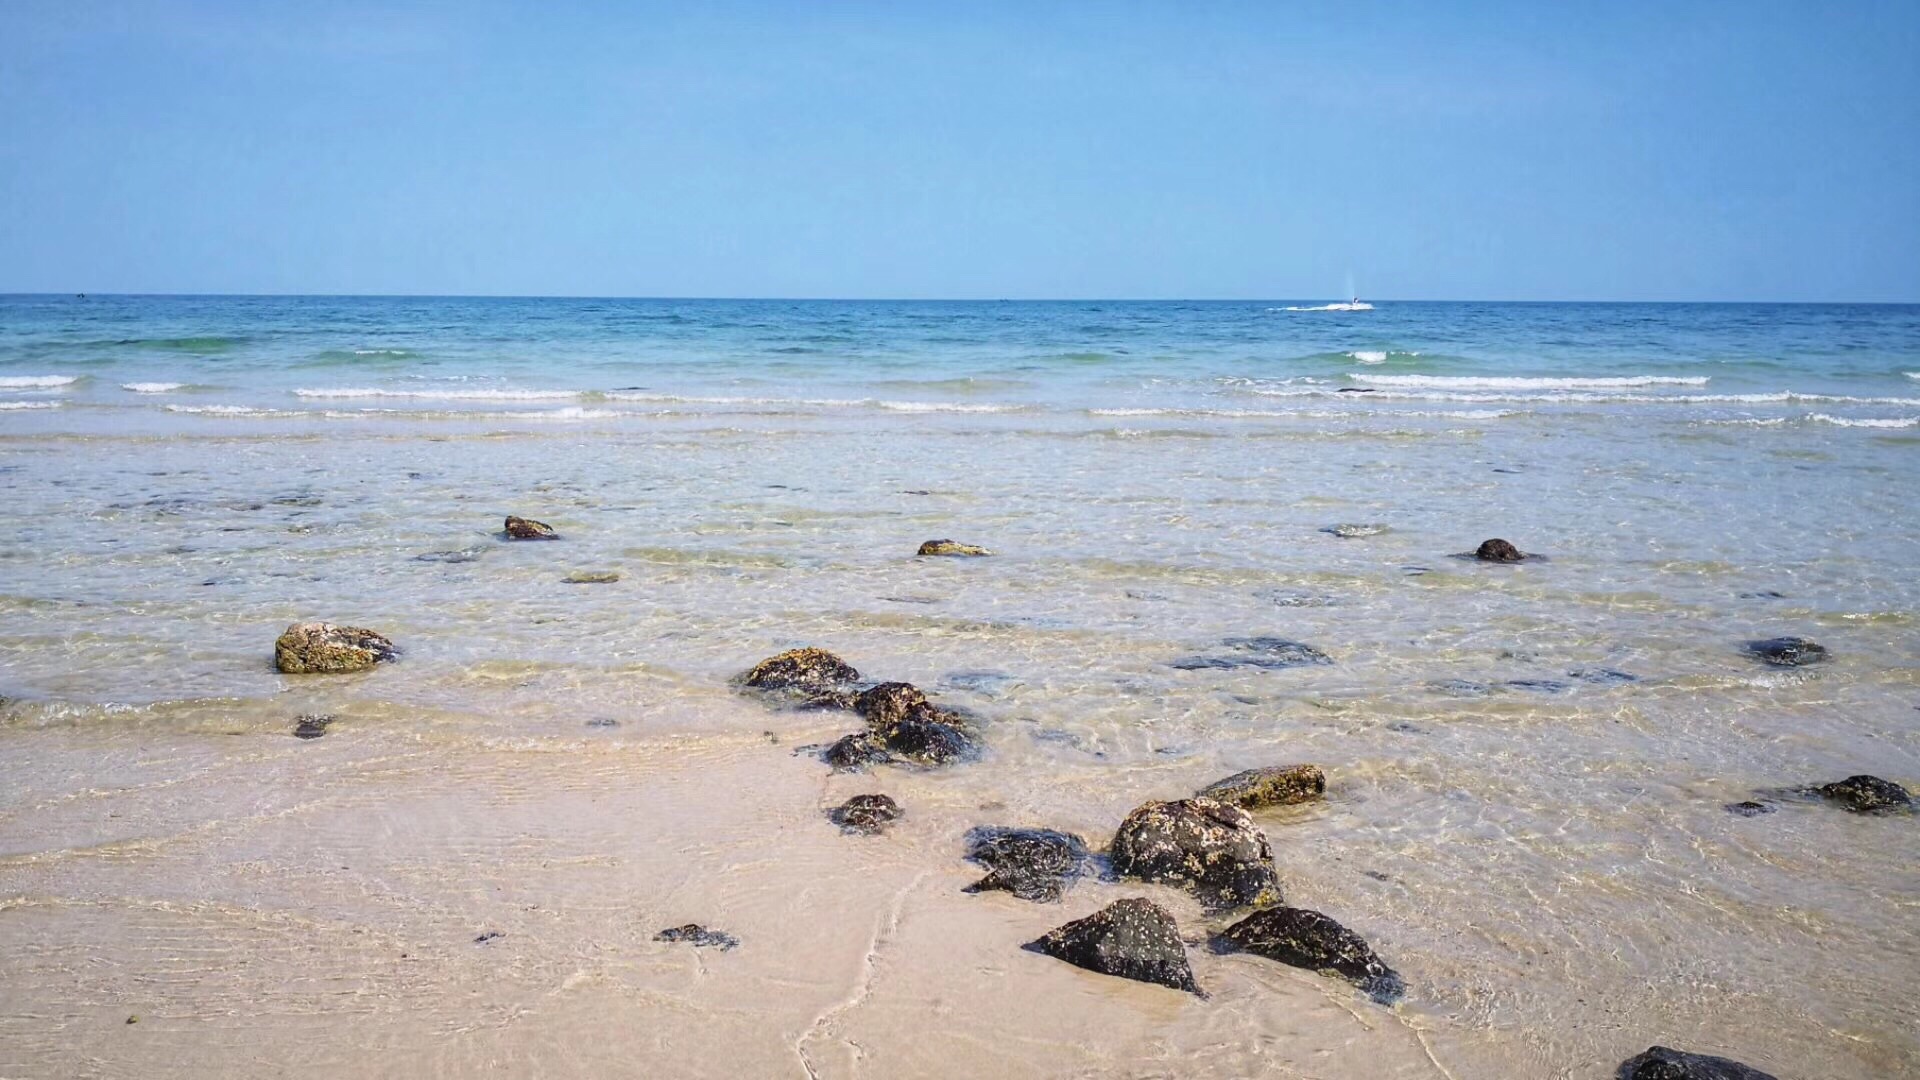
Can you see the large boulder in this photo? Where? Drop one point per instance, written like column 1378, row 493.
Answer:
column 800, row 669
column 1665, row 1063
column 1032, row 864
column 519, row 528
column 1788, row 651
column 1133, row 939
column 305, row 648
column 1308, row 939
column 1867, row 795
column 1274, row 785
column 1209, row 848
column 950, row 547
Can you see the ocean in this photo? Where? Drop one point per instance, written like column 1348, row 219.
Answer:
column 1528, row 766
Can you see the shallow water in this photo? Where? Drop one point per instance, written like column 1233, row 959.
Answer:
column 1536, row 844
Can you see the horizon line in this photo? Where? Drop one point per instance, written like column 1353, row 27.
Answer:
column 81, row 294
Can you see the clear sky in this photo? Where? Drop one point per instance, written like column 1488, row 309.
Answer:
column 1529, row 150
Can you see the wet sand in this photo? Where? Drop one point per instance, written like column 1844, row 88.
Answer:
column 1548, row 864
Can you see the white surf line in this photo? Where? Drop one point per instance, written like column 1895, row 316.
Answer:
column 863, row 986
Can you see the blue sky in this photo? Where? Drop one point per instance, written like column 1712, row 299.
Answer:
column 1473, row 151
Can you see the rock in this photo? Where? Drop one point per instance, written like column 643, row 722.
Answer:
column 1275, row 785
column 1308, row 939
column 490, row 935
column 324, row 647
column 1664, row 1063
column 1497, row 550
column 1748, row 808
column 902, row 718
column 1356, row 532
column 949, row 547
column 1133, row 939
column 866, row 815
column 1788, row 651
column 311, row 727
column 1032, row 864
column 591, row 577
column 1269, row 653
column 1209, row 848
column 1867, row 795
column 699, row 937
column 460, row 556
column 855, row 752
column 1603, row 676
column 800, row 669
column 519, row 528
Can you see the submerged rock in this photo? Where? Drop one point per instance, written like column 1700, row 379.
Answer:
column 1665, row 1063
column 800, row 669
column 591, row 577
column 1788, row 651
column 1207, row 847
column 1032, row 864
column 1867, row 795
column 519, row 528
column 1308, row 939
column 1497, row 550
column 1133, row 939
column 1356, row 532
column 1270, row 653
column 699, row 937
column 1749, row 808
column 865, row 815
column 318, row 647
column 1603, row 676
column 460, row 556
column 311, row 727
column 950, row 547
column 1274, row 785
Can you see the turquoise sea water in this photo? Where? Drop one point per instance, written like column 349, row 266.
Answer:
column 341, row 358
column 1528, row 765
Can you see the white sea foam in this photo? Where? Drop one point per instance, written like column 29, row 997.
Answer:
column 1284, row 389
column 1913, row 374
column 36, row 382
column 1313, row 414
column 1359, row 305
column 12, row 406
column 1477, row 382
column 1369, row 356
column 945, row 406
column 153, row 387
column 438, row 395
column 1866, row 422
column 228, row 410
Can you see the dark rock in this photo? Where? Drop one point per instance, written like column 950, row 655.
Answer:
column 1209, row 848
column 491, row 935
column 1032, row 864
column 949, row 547
column 800, row 669
column 1133, row 939
column 909, row 725
column 1665, row 1063
column 1498, row 550
column 1274, row 785
column 311, row 727
column 1748, row 808
column 1539, row 686
column 1460, row 688
column 519, row 528
column 1271, row 653
column 1308, row 939
column 1355, row 531
column 866, row 815
column 591, row 577
column 855, row 752
column 699, row 936
column 1867, row 795
column 1788, row 651
column 1764, row 594
column 323, row 647
column 603, row 722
